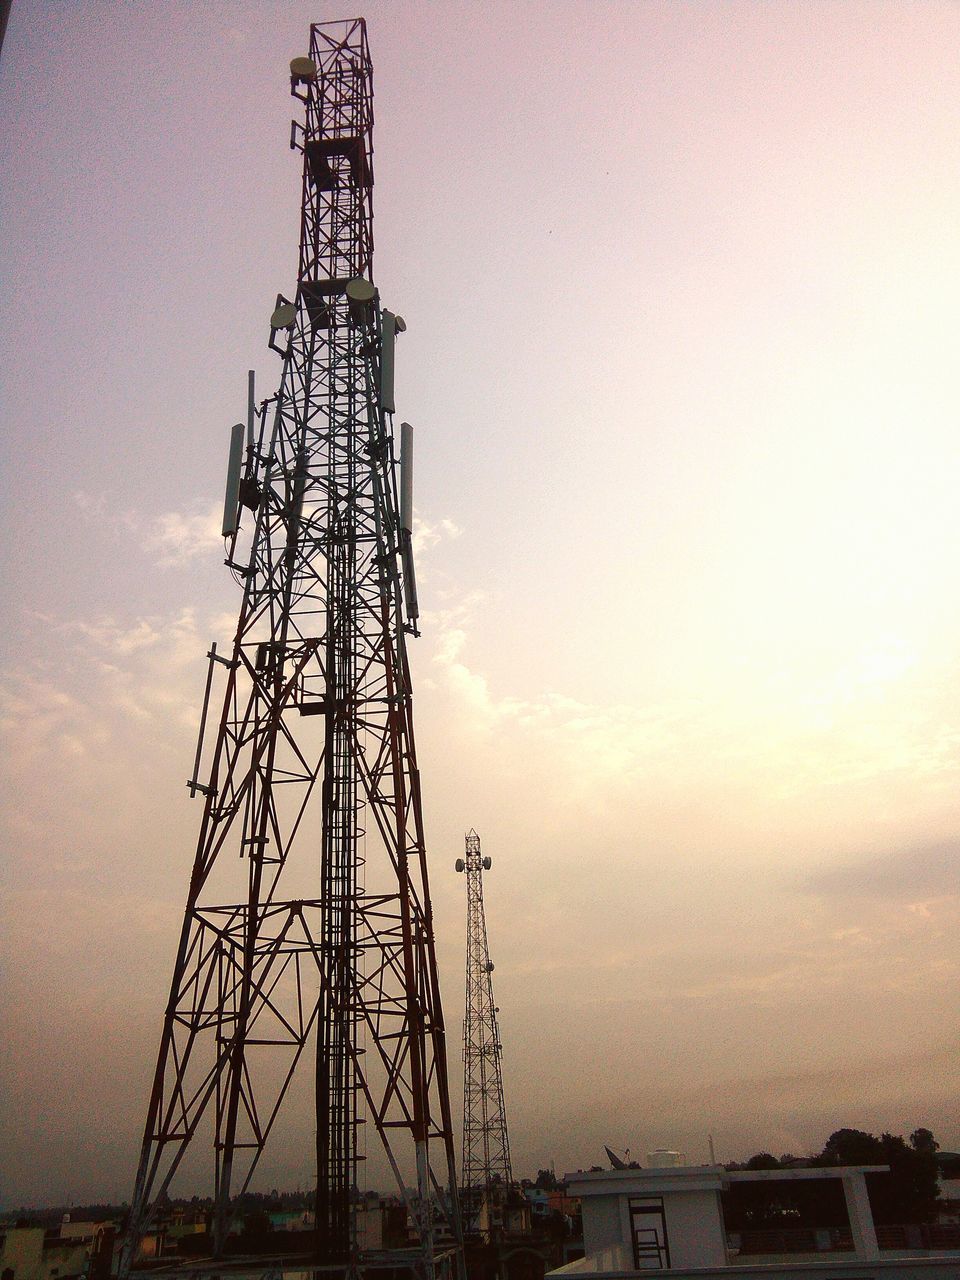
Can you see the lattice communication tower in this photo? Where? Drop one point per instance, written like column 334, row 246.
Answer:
column 486, row 1146
column 311, row 794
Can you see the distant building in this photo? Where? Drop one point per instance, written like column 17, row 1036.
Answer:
column 538, row 1200
column 369, row 1222
column 295, row 1219
column 543, row 1203
column 561, row 1202
column 30, row 1253
column 71, row 1230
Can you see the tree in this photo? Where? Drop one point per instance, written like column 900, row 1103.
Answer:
column 764, row 1206
column 851, row 1146
column 547, row 1180
column 908, row 1193
column 923, row 1142
column 763, row 1160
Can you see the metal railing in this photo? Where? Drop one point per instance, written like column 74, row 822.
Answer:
column 791, row 1240
column 904, row 1236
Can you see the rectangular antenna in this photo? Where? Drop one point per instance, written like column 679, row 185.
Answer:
column 250, row 408
column 194, row 784
column 231, row 499
column 296, row 503
column 388, row 346
column 406, row 476
column 406, row 522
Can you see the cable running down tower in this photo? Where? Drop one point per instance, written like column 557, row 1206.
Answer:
column 486, row 1175
column 312, row 831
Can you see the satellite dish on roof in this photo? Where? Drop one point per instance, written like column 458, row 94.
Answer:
column 284, row 316
column 615, row 1161
column 303, row 69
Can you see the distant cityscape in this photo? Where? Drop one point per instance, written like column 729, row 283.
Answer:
column 914, row 1204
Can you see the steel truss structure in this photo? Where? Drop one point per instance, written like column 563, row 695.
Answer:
column 486, row 1146
column 314, row 755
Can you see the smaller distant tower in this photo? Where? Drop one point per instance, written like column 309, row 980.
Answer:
column 486, row 1174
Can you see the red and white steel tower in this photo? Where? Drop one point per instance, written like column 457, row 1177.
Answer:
column 486, row 1146
column 308, row 939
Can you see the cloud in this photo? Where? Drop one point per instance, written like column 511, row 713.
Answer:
column 927, row 872
column 120, row 641
column 613, row 739
column 427, row 534
column 92, row 687
column 102, row 509
column 174, row 539
column 179, row 539
column 37, row 715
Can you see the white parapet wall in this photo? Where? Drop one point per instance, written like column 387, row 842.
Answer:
column 671, row 1218
column 666, row 1217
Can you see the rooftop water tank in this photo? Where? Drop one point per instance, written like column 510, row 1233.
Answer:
column 662, row 1159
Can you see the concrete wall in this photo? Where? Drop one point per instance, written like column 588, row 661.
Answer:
column 694, row 1229
column 603, row 1224
column 617, row 1258
column 29, row 1258
column 64, row 1258
column 884, row 1269
column 22, row 1252
column 369, row 1222
column 78, row 1230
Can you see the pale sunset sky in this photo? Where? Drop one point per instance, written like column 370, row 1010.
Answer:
column 682, row 287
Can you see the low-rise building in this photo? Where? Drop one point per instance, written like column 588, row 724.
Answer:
column 671, row 1218
column 30, row 1253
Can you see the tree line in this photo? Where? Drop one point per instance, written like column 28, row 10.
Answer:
column 908, row 1193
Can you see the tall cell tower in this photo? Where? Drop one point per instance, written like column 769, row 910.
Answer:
column 322, row 958
column 486, row 1147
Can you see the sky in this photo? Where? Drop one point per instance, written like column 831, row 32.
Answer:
column 682, row 288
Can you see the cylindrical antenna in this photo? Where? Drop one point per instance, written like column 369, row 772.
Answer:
column 295, row 509
column 250, row 407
